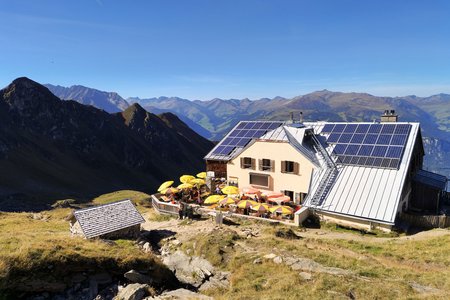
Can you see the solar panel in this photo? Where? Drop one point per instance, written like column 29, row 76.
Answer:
column 243, row 133
column 374, row 145
column 328, row 128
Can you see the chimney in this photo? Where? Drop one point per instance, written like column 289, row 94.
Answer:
column 291, row 120
column 389, row 116
column 301, row 117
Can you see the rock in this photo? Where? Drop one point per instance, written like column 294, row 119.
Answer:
column 133, row 291
column 176, row 243
column 289, row 261
column 218, row 281
column 180, row 294
column 147, row 248
column 305, row 275
column 257, row 261
column 287, row 234
column 191, row 270
column 270, row 256
column 306, row 264
column 278, row 260
column 136, row 277
column 423, row 289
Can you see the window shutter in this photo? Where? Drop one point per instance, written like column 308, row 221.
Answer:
column 296, row 168
column 272, row 165
column 242, row 162
column 260, row 164
column 283, row 166
column 253, row 164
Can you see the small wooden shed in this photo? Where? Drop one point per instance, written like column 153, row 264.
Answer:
column 113, row 220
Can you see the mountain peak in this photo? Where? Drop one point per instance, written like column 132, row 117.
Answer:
column 24, row 94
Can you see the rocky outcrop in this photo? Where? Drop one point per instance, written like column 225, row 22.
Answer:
column 180, row 294
column 133, row 291
column 195, row 271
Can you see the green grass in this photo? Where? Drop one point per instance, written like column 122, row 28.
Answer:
column 29, row 247
column 138, row 198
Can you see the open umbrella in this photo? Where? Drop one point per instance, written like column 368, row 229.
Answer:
column 165, row 185
column 186, row 178
column 246, row 203
column 261, row 207
column 250, row 190
column 272, row 194
column 201, row 175
column 198, row 181
column 227, row 201
column 170, row 190
column 285, row 210
column 230, row 190
column 279, row 200
column 213, row 199
column 185, row 186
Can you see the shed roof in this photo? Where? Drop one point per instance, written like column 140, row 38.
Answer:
column 434, row 180
column 107, row 218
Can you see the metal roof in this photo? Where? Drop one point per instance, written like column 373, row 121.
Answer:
column 107, row 218
column 432, row 179
column 358, row 191
column 366, row 192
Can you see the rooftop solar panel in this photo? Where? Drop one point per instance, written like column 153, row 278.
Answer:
column 243, row 133
column 376, row 145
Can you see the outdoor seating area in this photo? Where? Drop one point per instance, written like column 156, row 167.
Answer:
column 246, row 201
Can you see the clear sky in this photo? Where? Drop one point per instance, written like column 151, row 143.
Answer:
column 229, row 49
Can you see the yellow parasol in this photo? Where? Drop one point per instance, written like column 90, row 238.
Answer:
column 186, row 178
column 201, row 175
column 213, row 199
column 185, row 186
column 285, row 210
column 165, row 185
column 246, row 203
column 261, row 207
column 230, row 190
column 227, row 201
column 170, row 190
column 198, row 181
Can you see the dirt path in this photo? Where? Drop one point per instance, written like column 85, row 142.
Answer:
column 326, row 234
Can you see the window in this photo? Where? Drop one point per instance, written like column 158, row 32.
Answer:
column 289, row 167
column 247, row 163
column 259, row 179
column 266, row 165
column 290, row 194
column 233, row 181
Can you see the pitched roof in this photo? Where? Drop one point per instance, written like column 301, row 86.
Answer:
column 432, row 179
column 107, row 218
column 364, row 192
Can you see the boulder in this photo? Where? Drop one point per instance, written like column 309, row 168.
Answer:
column 136, row 277
column 270, row 256
column 133, row 291
column 278, row 260
column 180, row 294
column 190, row 270
column 305, row 275
column 146, row 247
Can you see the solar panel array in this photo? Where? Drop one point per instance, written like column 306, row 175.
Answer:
column 243, row 134
column 369, row 145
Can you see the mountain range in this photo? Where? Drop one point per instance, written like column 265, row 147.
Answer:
column 214, row 118
column 51, row 149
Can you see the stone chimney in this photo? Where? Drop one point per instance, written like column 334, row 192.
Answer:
column 389, row 116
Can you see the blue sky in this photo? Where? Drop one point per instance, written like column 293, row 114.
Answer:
column 229, row 49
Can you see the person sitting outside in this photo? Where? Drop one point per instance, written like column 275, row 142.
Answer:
column 181, row 210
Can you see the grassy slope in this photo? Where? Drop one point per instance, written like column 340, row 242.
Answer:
column 28, row 247
column 383, row 268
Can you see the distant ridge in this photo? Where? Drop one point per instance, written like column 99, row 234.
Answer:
column 51, row 149
column 108, row 101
